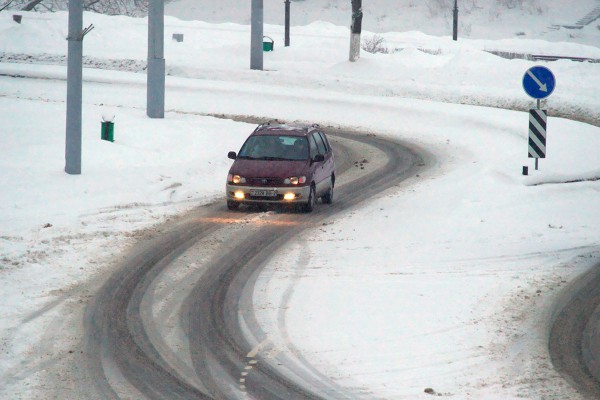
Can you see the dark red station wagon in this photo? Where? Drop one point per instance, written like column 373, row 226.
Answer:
column 282, row 164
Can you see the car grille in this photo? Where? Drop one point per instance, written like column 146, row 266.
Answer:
column 279, row 197
column 265, row 182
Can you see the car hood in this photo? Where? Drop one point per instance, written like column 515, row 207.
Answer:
column 268, row 169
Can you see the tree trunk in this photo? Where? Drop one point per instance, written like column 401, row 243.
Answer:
column 355, row 30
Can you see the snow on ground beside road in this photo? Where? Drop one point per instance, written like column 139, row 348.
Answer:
column 152, row 162
column 437, row 281
column 461, row 73
column 490, row 19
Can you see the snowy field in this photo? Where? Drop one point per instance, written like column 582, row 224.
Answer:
column 446, row 282
column 478, row 19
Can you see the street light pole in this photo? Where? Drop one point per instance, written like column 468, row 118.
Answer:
column 287, row 23
column 256, row 35
column 455, row 21
column 155, row 74
column 74, row 88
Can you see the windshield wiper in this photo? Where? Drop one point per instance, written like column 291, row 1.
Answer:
column 273, row 158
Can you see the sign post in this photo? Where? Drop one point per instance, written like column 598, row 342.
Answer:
column 539, row 83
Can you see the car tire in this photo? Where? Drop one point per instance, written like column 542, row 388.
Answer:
column 310, row 204
column 327, row 198
column 233, row 205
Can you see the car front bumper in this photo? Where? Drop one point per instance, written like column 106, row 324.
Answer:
column 301, row 194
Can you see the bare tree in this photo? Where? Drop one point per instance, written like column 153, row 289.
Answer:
column 110, row 7
column 31, row 5
column 375, row 44
column 117, row 7
column 6, row 5
column 355, row 30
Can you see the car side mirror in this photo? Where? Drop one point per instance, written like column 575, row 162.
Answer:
column 232, row 155
column 319, row 158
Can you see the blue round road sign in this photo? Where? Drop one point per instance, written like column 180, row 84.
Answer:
column 539, row 82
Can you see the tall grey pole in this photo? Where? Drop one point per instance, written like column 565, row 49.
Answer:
column 74, row 88
column 256, row 35
column 455, row 21
column 155, row 95
column 287, row 23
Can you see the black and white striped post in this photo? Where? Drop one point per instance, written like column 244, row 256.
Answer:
column 537, row 134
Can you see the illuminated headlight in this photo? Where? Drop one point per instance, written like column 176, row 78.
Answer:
column 235, row 179
column 294, row 180
column 289, row 196
column 239, row 195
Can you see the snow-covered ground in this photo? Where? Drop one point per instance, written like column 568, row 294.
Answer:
column 478, row 19
column 446, row 282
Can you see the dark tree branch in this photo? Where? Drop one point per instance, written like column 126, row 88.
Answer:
column 91, row 4
column 4, row 7
column 30, row 6
column 112, row 7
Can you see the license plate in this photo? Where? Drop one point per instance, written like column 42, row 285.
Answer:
column 263, row 193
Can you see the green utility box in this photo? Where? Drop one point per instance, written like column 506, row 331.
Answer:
column 108, row 131
column 268, row 43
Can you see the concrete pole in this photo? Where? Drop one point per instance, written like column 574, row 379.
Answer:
column 74, row 88
column 256, row 35
column 455, row 21
column 287, row 23
column 155, row 99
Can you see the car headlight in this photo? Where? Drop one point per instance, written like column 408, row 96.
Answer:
column 294, row 180
column 235, row 179
column 289, row 196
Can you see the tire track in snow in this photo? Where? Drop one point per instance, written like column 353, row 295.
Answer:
column 124, row 359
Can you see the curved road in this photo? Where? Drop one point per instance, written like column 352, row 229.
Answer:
column 176, row 320
column 574, row 341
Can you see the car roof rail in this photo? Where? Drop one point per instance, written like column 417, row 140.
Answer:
column 260, row 126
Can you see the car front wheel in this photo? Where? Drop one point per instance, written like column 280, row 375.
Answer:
column 233, row 205
column 327, row 198
column 310, row 204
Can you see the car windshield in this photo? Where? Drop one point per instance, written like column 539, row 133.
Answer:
column 275, row 148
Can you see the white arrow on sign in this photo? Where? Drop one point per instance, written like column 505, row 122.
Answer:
column 543, row 86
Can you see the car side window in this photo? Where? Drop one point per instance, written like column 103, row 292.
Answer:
column 320, row 144
column 324, row 138
column 313, row 146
